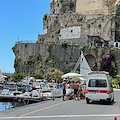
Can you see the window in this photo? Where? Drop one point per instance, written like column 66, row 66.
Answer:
column 97, row 83
column 116, row 44
column 51, row 86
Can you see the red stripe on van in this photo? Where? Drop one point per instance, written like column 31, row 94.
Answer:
column 103, row 91
column 99, row 91
column 86, row 91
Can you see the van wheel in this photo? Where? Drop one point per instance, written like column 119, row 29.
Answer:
column 113, row 100
column 109, row 102
column 88, row 101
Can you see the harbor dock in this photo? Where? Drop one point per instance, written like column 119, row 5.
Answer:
column 25, row 99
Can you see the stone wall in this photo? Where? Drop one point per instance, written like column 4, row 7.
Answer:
column 90, row 25
column 70, row 33
column 38, row 57
column 83, row 6
column 90, row 7
column 62, row 6
column 95, row 6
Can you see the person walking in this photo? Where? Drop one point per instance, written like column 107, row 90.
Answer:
column 80, row 90
column 76, row 92
column 84, row 89
column 64, row 88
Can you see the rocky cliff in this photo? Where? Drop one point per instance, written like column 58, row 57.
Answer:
column 65, row 33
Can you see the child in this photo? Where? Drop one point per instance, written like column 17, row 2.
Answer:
column 68, row 92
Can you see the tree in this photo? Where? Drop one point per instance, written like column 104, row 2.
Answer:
column 38, row 76
column 19, row 76
column 54, row 74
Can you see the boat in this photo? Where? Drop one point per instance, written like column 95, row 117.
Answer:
column 24, row 87
column 52, row 90
column 10, row 86
column 2, row 80
column 5, row 92
column 84, row 70
column 2, row 77
column 84, row 66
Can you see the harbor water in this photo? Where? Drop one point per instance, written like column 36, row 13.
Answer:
column 8, row 105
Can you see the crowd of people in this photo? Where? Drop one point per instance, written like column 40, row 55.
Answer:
column 73, row 90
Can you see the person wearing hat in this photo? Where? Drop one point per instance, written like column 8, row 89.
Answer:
column 64, row 88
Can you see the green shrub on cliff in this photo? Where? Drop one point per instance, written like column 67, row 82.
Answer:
column 19, row 76
column 38, row 76
column 54, row 74
column 13, row 48
column 25, row 44
column 71, row 5
column 92, row 48
column 47, row 60
column 92, row 22
column 45, row 17
column 81, row 48
column 64, row 43
column 49, row 47
column 30, row 61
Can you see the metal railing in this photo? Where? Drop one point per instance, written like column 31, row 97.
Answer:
column 60, row 42
column 26, row 41
column 68, row 43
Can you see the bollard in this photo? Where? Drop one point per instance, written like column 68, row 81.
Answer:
column 53, row 98
column 115, row 118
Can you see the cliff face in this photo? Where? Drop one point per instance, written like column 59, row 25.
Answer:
column 38, row 58
column 35, row 58
column 65, row 33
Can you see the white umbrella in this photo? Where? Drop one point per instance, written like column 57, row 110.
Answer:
column 71, row 75
column 82, row 78
column 79, row 79
column 4, row 76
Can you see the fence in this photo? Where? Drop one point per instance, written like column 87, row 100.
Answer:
column 68, row 43
column 26, row 41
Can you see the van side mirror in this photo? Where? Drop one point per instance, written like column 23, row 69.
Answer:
column 114, row 86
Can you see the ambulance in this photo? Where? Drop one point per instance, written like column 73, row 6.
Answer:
column 99, row 87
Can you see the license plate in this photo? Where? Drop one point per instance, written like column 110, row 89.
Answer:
column 92, row 92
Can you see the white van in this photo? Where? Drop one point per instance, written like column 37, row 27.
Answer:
column 99, row 87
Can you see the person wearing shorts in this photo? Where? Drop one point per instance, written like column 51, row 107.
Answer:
column 64, row 88
column 76, row 86
column 76, row 91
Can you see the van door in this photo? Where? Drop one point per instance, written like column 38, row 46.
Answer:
column 111, row 91
column 98, row 88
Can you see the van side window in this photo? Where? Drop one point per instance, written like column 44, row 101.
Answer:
column 97, row 83
column 92, row 83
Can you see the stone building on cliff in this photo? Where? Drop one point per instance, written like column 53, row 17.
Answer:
column 83, row 6
column 80, row 21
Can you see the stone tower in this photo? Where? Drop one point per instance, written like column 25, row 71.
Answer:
column 95, row 6
column 62, row 6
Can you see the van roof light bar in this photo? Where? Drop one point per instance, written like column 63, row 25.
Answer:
column 99, row 72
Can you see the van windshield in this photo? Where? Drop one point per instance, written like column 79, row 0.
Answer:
column 97, row 83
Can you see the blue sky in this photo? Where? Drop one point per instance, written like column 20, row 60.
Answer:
column 19, row 19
